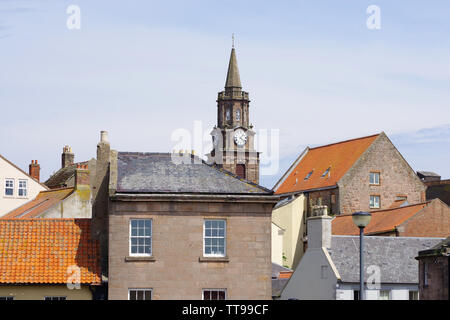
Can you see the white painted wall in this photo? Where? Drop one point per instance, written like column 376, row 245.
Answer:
column 8, row 203
column 277, row 244
column 314, row 279
column 291, row 218
column 397, row 291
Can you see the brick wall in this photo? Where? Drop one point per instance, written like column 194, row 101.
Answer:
column 396, row 178
column 437, row 288
column 176, row 272
column 432, row 221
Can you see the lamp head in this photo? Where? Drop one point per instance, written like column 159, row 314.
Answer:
column 361, row 219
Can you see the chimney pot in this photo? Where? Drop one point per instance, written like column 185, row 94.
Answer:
column 104, row 136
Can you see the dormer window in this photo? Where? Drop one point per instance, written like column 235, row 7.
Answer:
column 309, row 175
column 326, row 172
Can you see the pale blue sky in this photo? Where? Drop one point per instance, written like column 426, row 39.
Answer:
column 141, row 69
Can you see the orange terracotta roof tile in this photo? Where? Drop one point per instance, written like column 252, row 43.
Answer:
column 382, row 220
column 337, row 157
column 44, row 250
column 43, row 201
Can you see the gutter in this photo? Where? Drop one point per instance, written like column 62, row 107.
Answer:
column 307, row 191
column 195, row 197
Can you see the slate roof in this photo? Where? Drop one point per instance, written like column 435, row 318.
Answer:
column 40, row 204
column 59, row 178
column 280, row 277
column 394, row 255
column 42, row 250
column 339, row 157
column 441, row 249
column 382, row 220
column 158, row 173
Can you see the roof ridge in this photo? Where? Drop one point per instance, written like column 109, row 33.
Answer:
column 15, row 166
column 344, row 141
column 387, row 209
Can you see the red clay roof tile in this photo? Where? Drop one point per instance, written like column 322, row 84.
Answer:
column 382, row 220
column 338, row 157
column 42, row 250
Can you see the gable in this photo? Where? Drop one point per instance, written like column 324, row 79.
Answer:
column 337, row 158
column 10, row 170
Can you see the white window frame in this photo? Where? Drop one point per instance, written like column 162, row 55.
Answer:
column 215, row 237
column 21, row 188
column 5, row 187
column 385, row 291
column 141, row 289
column 214, row 289
column 145, row 237
column 374, row 173
column 374, row 206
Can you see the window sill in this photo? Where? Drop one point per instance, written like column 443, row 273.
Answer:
column 214, row 259
column 140, row 258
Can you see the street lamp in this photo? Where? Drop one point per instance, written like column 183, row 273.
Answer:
column 361, row 220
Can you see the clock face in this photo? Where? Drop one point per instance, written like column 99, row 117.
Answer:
column 240, row 137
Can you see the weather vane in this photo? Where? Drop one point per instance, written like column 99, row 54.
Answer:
column 232, row 40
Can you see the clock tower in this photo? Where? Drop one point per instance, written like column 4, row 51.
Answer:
column 233, row 136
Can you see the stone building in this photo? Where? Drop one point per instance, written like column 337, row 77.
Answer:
column 362, row 174
column 434, row 270
column 186, row 230
column 233, row 136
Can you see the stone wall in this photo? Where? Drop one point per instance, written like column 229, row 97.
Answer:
column 396, row 179
column 176, row 270
column 437, row 287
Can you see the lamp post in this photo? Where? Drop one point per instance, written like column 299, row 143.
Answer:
column 361, row 220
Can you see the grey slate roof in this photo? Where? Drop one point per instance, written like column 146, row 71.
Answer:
column 158, row 173
column 62, row 176
column 394, row 255
column 278, row 284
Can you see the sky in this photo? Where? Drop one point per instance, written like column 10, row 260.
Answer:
column 143, row 69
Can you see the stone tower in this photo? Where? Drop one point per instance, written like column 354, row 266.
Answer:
column 233, row 137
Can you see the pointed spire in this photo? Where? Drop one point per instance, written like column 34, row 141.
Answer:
column 233, row 78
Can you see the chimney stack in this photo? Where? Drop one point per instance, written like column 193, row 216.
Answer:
column 319, row 232
column 67, row 157
column 82, row 175
column 34, row 170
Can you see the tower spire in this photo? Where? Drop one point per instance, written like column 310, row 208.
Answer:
column 233, row 78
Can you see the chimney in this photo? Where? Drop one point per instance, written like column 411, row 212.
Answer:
column 67, row 157
column 82, row 175
column 319, row 232
column 34, row 170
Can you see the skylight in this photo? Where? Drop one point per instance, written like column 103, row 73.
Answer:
column 309, row 174
column 326, row 172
